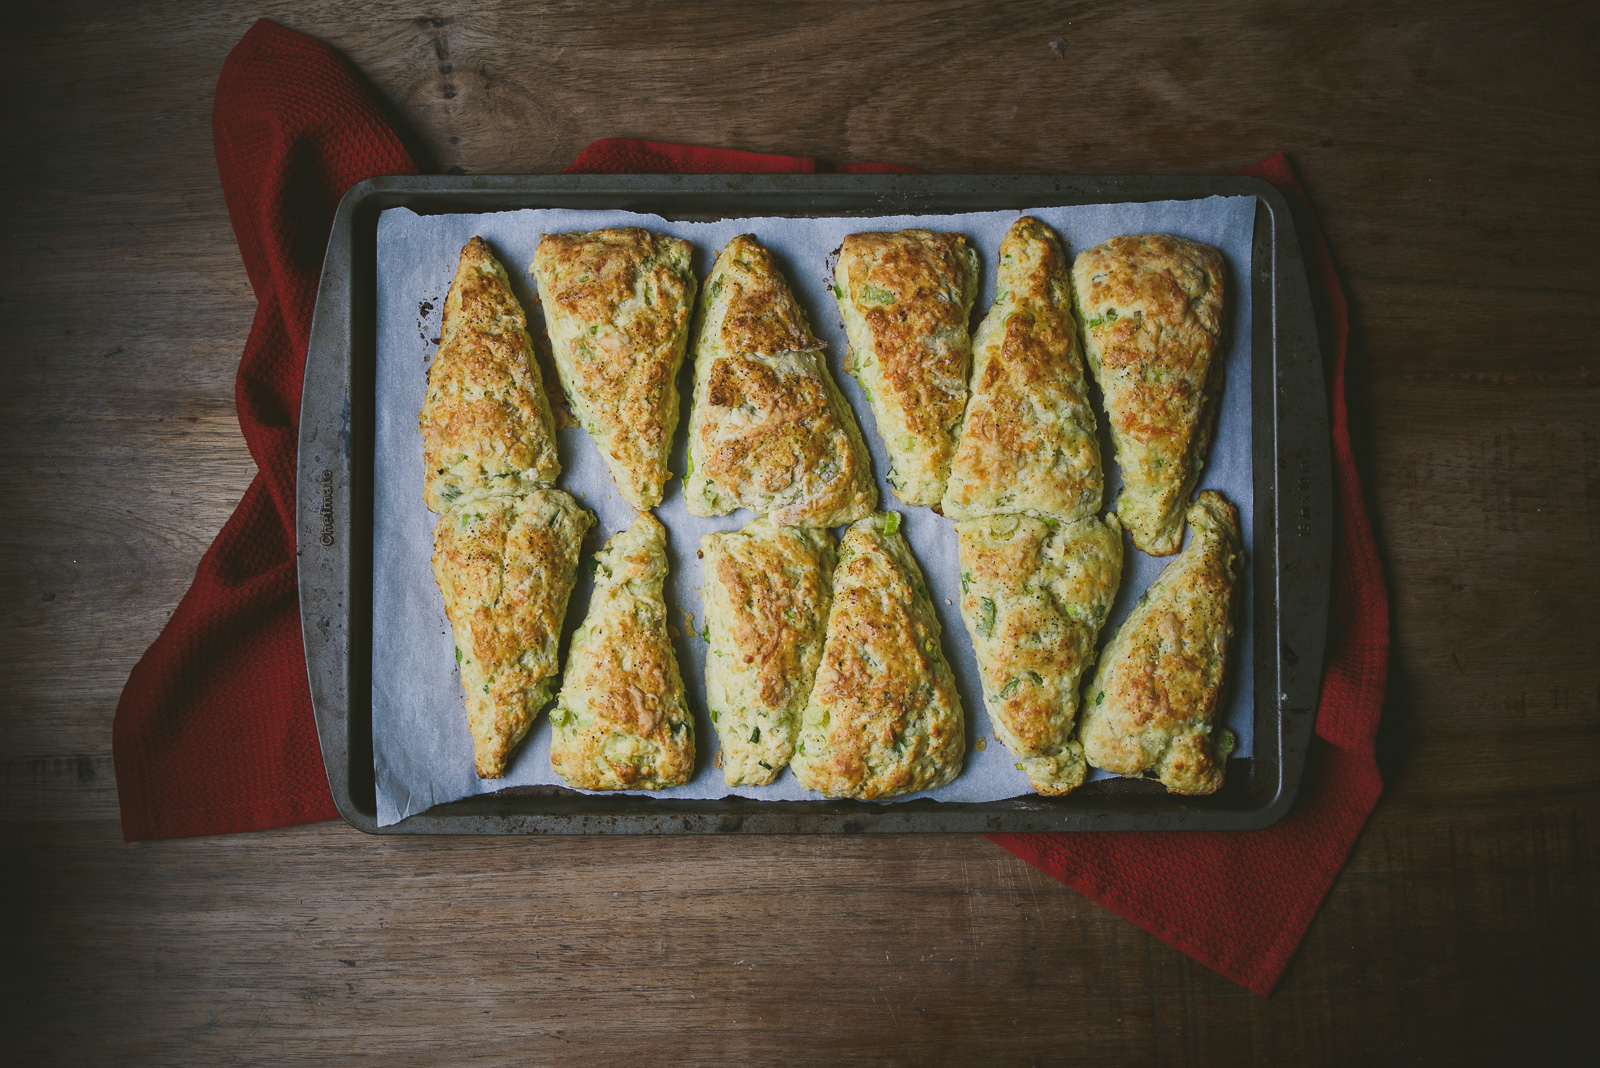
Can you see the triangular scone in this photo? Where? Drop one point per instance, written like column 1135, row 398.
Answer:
column 766, row 595
column 617, row 304
column 1151, row 309
column 906, row 298
column 1153, row 698
column 622, row 722
column 1028, row 441
column 769, row 430
column 884, row 717
column 485, row 420
column 506, row 565
column 1034, row 594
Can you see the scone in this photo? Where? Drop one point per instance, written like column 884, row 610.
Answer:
column 506, row 565
column 906, row 299
column 1153, row 698
column 1034, row 594
column 622, row 722
column 1151, row 309
column 1028, row 441
column 766, row 595
column 485, row 420
column 884, row 717
column 617, row 305
column 769, row 430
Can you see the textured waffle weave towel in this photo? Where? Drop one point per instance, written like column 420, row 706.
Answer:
column 1238, row 902
column 214, row 731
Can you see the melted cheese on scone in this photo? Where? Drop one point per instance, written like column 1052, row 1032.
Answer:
column 1151, row 309
column 1028, row 441
column 506, row 565
column 906, row 299
column 485, row 421
column 622, row 722
column 766, row 595
column 1155, row 693
column 1034, row 594
column 769, row 431
column 617, row 304
column 884, row 717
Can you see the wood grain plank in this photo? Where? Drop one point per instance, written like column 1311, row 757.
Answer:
column 730, row 949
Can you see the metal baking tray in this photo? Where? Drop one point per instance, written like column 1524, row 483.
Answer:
column 1290, row 559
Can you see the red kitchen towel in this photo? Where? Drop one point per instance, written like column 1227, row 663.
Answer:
column 1238, row 902
column 214, row 731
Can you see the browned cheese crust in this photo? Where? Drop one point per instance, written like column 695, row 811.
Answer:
column 1151, row 308
column 485, row 420
column 506, row 566
column 884, row 717
column 1028, row 441
column 905, row 299
column 769, row 430
column 622, row 722
column 1153, row 698
column 1034, row 594
column 766, row 596
column 617, row 306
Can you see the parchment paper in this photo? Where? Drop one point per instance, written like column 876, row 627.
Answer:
column 421, row 750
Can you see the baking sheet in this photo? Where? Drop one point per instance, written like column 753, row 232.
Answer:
column 421, row 750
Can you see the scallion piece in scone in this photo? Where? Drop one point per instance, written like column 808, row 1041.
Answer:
column 1034, row 595
column 766, row 594
column 485, row 420
column 1152, row 314
column 884, row 717
column 1028, row 442
column 1154, row 695
column 617, row 304
column 622, row 721
column 506, row 565
column 906, row 299
column 769, row 430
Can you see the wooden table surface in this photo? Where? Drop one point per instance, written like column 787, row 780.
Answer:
column 1452, row 151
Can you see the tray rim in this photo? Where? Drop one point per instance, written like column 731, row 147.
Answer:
column 1293, row 506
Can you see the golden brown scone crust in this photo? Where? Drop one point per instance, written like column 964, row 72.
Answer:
column 884, row 717
column 485, row 421
column 769, row 431
column 617, row 304
column 1028, row 441
column 1155, row 693
column 622, row 722
column 906, row 298
column 506, row 565
column 1034, row 594
column 1151, row 308
column 766, row 594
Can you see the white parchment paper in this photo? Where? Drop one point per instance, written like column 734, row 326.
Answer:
column 421, row 750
